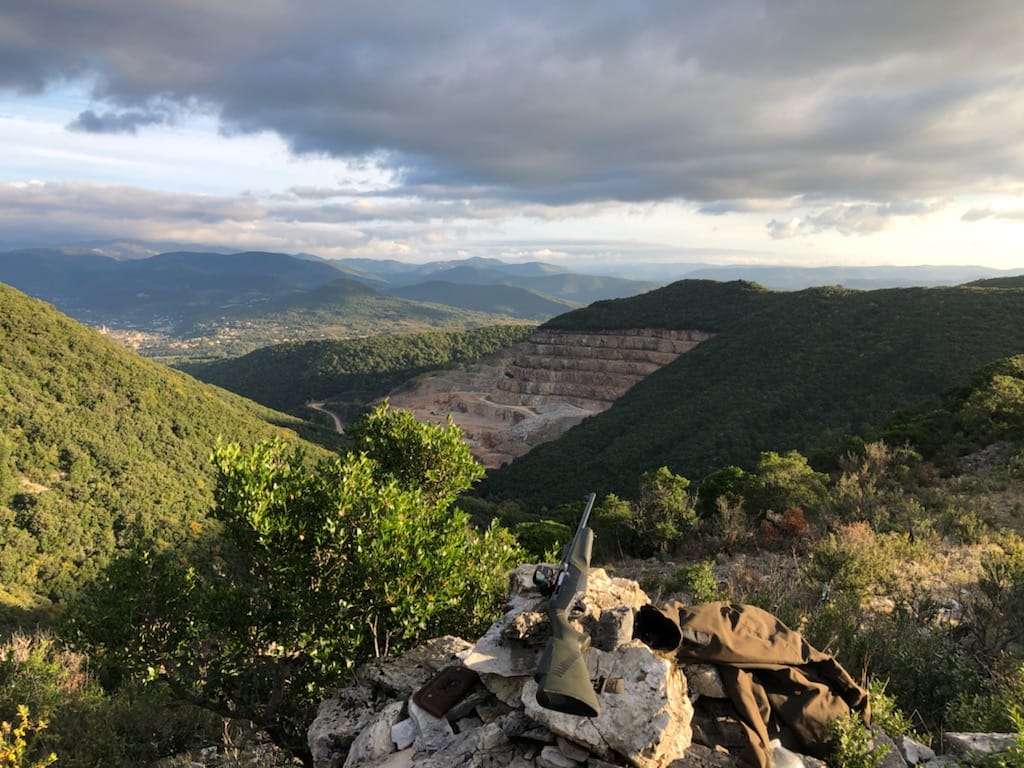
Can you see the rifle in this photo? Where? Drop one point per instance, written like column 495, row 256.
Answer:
column 563, row 682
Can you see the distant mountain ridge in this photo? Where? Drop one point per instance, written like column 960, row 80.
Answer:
column 240, row 301
column 504, row 299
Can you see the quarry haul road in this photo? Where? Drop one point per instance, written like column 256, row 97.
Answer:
column 338, row 426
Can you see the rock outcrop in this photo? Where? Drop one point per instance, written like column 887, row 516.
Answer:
column 644, row 721
column 660, row 715
column 540, row 388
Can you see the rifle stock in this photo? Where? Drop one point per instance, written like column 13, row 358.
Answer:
column 563, row 681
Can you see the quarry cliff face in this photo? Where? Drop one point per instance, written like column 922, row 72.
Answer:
column 535, row 391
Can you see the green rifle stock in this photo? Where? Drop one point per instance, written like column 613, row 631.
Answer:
column 563, row 682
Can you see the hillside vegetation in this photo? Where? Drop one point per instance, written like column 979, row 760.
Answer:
column 349, row 372
column 784, row 371
column 253, row 587
column 99, row 447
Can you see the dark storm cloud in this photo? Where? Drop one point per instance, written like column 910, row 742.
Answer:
column 561, row 103
column 117, row 122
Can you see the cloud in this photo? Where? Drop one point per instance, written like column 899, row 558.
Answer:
column 312, row 220
column 569, row 102
column 979, row 214
column 854, row 218
column 117, row 122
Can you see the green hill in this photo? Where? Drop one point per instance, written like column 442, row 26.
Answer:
column 349, row 372
column 99, row 447
column 505, row 300
column 784, row 371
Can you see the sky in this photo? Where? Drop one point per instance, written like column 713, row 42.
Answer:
column 799, row 132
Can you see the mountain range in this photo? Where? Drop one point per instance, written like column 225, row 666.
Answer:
column 211, row 304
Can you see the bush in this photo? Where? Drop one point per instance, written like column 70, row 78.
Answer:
column 319, row 567
column 1000, row 605
column 997, row 708
column 129, row 727
column 14, row 744
column 887, row 715
column 699, row 580
column 543, row 539
column 854, row 744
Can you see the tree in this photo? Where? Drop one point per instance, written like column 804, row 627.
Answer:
column 875, row 486
column 434, row 459
column 783, row 481
column 319, row 566
column 665, row 513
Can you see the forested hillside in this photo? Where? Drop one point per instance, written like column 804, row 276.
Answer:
column 784, row 371
column 98, row 447
column 507, row 300
column 349, row 371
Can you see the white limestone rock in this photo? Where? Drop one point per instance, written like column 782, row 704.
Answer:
column 648, row 723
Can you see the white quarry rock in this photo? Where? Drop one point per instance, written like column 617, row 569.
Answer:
column 914, row 752
column 648, row 723
column 374, row 742
column 403, row 733
column 976, row 744
column 434, row 732
column 338, row 721
column 552, row 757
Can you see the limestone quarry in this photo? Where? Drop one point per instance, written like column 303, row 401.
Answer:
column 535, row 391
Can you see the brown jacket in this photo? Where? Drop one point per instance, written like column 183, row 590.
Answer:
column 779, row 683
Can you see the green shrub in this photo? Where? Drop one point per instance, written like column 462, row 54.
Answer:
column 319, row 567
column 129, row 727
column 15, row 744
column 853, row 744
column 699, row 580
column 1001, row 601
column 887, row 715
column 615, row 535
column 924, row 668
column 996, row 708
column 543, row 539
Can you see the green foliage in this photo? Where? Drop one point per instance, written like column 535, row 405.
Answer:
column 826, row 360
column 14, row 746
column 699, row 580
column 88, row 727
column 350, row 373
column 615, row 535
column 434, row 459
column 876, row 486
column 886, row 714
column 782, row 481
column 727, row 485
column 918, row 656
column 853, row 744
column 988, row 409
column 664, row 515
column 997, row 707
column 543, row 540
column 855, row 560
column 321, row 566
column 1001, row 587
column 102, row 447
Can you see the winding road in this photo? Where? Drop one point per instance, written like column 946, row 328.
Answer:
column 338, row 426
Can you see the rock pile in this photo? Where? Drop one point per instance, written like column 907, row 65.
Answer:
column 647, row 718
column 644, row 721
